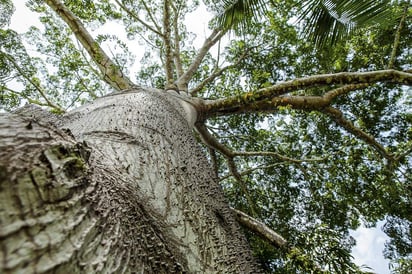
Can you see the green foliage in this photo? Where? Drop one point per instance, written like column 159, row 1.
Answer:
column 324, row 180
column 351, row 184
column 325, row 21
column 6, row 10
column 402, row 266
column 328, row 21
column 238, row 14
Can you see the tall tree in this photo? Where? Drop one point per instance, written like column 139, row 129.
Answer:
column 298, row 143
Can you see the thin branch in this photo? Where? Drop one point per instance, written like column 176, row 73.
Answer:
column 235, row 173
column 338, row 117
column 136, row 17
column 213, row 143
column 215, row 74
column 251, row 170
column 399, row 156
column 267, row 234
column 276, row 155
column 260, row 228
column 398, row 36
column 209, row 42
column 111, row 73
column 40, row 90
column 209, row 79
column 149, row 12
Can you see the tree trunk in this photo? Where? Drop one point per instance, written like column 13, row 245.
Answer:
column 116, row 186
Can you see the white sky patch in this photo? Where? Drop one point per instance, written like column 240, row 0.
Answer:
column 197, row 22
column 369, row 246
column 23, row 18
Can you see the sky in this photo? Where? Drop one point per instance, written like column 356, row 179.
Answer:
column 370, row 241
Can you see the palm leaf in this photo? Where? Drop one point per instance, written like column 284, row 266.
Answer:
column 328, row 21
column 238, row 14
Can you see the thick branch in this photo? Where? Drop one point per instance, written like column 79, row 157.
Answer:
column 265, row 99
column 209, row 42
column 176, row 36
column 211, row 141
column 111, row 73
column 167, row 40
column 260, row 228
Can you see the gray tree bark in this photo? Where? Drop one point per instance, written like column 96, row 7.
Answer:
column 116, row 186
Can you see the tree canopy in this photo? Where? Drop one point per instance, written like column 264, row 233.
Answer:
column 308, row 130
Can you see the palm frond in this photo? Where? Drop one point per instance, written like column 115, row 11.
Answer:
column 238, row 14
column 328, row 21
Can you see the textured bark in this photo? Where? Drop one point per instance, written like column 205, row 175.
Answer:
column 117, row 186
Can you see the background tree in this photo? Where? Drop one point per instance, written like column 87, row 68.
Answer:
column 306, row 139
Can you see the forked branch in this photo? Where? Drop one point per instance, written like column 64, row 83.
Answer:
column 264, row 99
